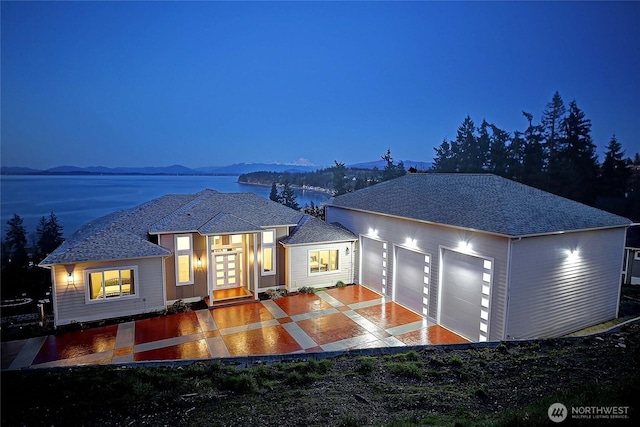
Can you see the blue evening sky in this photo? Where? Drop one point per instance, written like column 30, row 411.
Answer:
column 215, row 83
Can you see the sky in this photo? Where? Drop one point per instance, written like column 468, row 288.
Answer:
column 212, row 83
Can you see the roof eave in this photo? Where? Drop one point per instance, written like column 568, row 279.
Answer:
column 318, row 243
column 49, row 265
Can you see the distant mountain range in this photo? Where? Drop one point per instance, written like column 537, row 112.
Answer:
column 235, row 169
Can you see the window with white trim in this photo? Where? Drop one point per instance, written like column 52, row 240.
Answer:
column 268, row 252
column 184, row 259
column 324, row 261
column 111, row 284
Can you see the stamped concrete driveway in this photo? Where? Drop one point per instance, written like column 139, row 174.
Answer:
column 351, row 317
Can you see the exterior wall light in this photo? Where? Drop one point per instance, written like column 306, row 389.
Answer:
column 464, row 245
column 199, row 263
column 410, row 242
column 70, row 279
column 373, row 232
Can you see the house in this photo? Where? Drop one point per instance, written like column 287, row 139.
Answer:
column 631, row 266
column 486, row 257
column 189, row 247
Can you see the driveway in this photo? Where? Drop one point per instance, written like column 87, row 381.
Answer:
column 335, row 319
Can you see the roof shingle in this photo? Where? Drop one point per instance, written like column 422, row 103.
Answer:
column 479, row 202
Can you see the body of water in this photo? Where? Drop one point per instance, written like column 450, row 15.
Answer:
column 77, row 200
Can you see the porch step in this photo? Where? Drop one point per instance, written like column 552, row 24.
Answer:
column 247, row 299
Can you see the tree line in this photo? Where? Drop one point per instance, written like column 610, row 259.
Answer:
column 555, row 154
column 22, row 251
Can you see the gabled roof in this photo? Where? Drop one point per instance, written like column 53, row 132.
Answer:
column 126, row 234
column 313, row 230
column 480, row 202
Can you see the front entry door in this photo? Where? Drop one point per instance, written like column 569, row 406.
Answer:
column 227, row 269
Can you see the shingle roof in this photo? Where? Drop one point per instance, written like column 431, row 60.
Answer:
column 126, row 234
column 479, row 202
column 314, row 230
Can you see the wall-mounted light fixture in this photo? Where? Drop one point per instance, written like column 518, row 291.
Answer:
column 199, row 263
column 410, row 242
column 373, row 232
column 347, row 251
column 70, row 279
column 464, row 245
column 573, row 254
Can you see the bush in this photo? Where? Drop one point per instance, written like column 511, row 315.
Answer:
column 340, row 284
column 276, row 293
column 178, row 307
column 306, row 290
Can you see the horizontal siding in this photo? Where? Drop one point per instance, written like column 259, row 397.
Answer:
column 429, row 239
column 71, row 305
column 552, row 294
column 299, row 266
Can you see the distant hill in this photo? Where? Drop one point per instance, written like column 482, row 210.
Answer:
column 235, row 169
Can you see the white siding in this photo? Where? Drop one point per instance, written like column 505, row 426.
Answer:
column 299, row 266
column 71, row 305
column 429, row 238
column 552, row 294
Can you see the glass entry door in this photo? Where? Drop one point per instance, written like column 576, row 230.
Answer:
column 226, row 261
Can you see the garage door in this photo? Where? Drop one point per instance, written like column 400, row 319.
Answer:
column 464, row 295
column 411, row 283
column 374, row 264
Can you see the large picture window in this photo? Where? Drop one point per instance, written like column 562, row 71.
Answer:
column 111, row 284
column 268, row 252
column 184, row 259
column 323, row 261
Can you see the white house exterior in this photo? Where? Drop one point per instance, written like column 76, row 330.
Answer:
column 186, row 247
column 486, row 257
column 318, row 254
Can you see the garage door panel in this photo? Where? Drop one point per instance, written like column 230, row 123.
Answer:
column 373, row 264
column 461, row 298
column 410, row 278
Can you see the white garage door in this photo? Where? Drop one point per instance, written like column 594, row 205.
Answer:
column 464, row 295
column 411, row 286
column 374, row 264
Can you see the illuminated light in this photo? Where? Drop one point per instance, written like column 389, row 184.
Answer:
column 199, row 262
column 373, row 232
column 70, row 279
column 410, row 242
column 464, row 245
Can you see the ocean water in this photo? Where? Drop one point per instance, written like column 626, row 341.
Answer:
column 76, row 200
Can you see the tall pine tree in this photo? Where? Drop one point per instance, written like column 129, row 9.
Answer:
column 614, row 172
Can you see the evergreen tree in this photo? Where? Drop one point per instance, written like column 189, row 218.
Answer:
column 553, row 117
column 287, row 197
column 499, row 155
column 49, row 233
column 467, row 149
column 577, row 161
column 389, row 171
column 273, row 195
column 445, row 159
column 340, row 183
column 533, row 162
column 614, row 176
column 15, row 250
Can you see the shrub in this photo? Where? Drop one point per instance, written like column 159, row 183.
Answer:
column 340, row 284
column 276, row 293
column 306, row 290
column 179, row 307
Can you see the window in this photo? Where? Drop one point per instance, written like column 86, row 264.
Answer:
column 184, row 259
column 322, row 261
column 105, row 285
column 268, row 252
